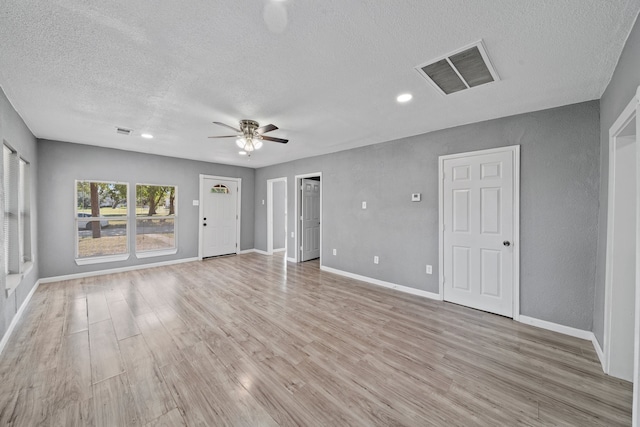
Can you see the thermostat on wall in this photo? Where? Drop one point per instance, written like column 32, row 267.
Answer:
column 415, row 197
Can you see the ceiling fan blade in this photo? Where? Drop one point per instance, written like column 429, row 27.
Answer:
column 280, row 140
column 224, row 136
column 227, row 126
column 266, row 128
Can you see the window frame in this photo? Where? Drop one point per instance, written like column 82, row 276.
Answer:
column 149, row 253
column 17, row 245
column 101, row 258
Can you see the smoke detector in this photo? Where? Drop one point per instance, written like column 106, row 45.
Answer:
column 460, row 70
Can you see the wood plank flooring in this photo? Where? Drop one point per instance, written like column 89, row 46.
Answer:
column 250, row 340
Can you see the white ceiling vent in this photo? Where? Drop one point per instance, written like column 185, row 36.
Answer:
column 463, row 69
column 123, row 131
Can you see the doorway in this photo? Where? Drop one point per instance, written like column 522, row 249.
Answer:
column 276, row 215
column 479, row 238
column 308, row 216
column 620, row 282
column 219, row 216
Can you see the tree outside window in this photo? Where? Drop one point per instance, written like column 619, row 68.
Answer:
column 101, row 219
column 155, row 217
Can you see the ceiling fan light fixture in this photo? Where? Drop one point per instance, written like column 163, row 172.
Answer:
column 242, row 153
column 240, row 142
column 257, row 144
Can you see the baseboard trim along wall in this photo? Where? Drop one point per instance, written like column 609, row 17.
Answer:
column 565, row 330
column 599, row 351
column 401, row 288
column 17, row 317
column 115, row 270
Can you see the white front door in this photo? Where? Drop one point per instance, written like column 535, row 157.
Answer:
column 310, row 219
column 219, row 217
column 479, row 229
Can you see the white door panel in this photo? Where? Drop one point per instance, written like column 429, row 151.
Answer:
column 478, row 217
column 220, row 215
column 310, row 219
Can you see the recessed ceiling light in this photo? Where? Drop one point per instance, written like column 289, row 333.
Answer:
column 242, row 153
column 147, row 136
column 405, row 97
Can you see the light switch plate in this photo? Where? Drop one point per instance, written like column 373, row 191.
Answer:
column 364, row 205
column 196, row 203
column 415, row 197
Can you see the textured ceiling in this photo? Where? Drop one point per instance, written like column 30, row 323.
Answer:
column 327, row 73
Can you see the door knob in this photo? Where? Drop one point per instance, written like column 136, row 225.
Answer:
column 506, row 243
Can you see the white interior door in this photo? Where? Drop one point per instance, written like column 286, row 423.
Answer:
column 479, row 229
column 310, row 219
column 219, row 217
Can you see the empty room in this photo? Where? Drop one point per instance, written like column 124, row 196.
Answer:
column 337, row 213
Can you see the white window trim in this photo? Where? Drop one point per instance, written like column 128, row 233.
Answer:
column 105, row 258
column 102, row 259
column 156, row 252
column 150, row 253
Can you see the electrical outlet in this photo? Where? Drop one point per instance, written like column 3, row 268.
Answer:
column 263, row 201
column 364, row 205
column 292, row 236
column 376, row 260
column 335, row 252
column 429, row 269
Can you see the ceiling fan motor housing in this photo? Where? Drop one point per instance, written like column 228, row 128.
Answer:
column 248, row 128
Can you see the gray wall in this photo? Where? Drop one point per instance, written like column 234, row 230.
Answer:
column 559, row 206
column 279, row 208
column 61, row 163
column 15, row 133
column 621, row 90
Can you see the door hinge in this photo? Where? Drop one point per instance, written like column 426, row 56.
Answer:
column 300, row 217
column 236, row 216
column 300, row 247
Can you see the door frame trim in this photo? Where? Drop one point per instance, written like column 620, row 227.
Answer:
column 627, row 115
column 270, row 183
column 515, row 152
column 201, row 205
column 298, row 237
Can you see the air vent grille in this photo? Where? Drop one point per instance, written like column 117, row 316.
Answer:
column 460, row 70
column 123, row 131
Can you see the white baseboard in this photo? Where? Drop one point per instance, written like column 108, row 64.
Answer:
column 401, row 288
column 289, row 259
column 261, row 252
column 567, row 330
column 279, row 250
column 246, row 251
column 599, row 351
column 115, row 270
column 17, row 317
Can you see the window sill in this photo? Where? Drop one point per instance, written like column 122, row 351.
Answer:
column 102, row 259
column 151, row 254
column 13, row 280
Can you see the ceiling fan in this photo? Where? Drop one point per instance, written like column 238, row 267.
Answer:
column 250, row 135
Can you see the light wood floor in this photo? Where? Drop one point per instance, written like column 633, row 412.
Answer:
column 249, row 340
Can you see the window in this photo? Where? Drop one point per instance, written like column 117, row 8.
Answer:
column 101, row 222
column 17, row 216
column 155, row 220
column 24, row 210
